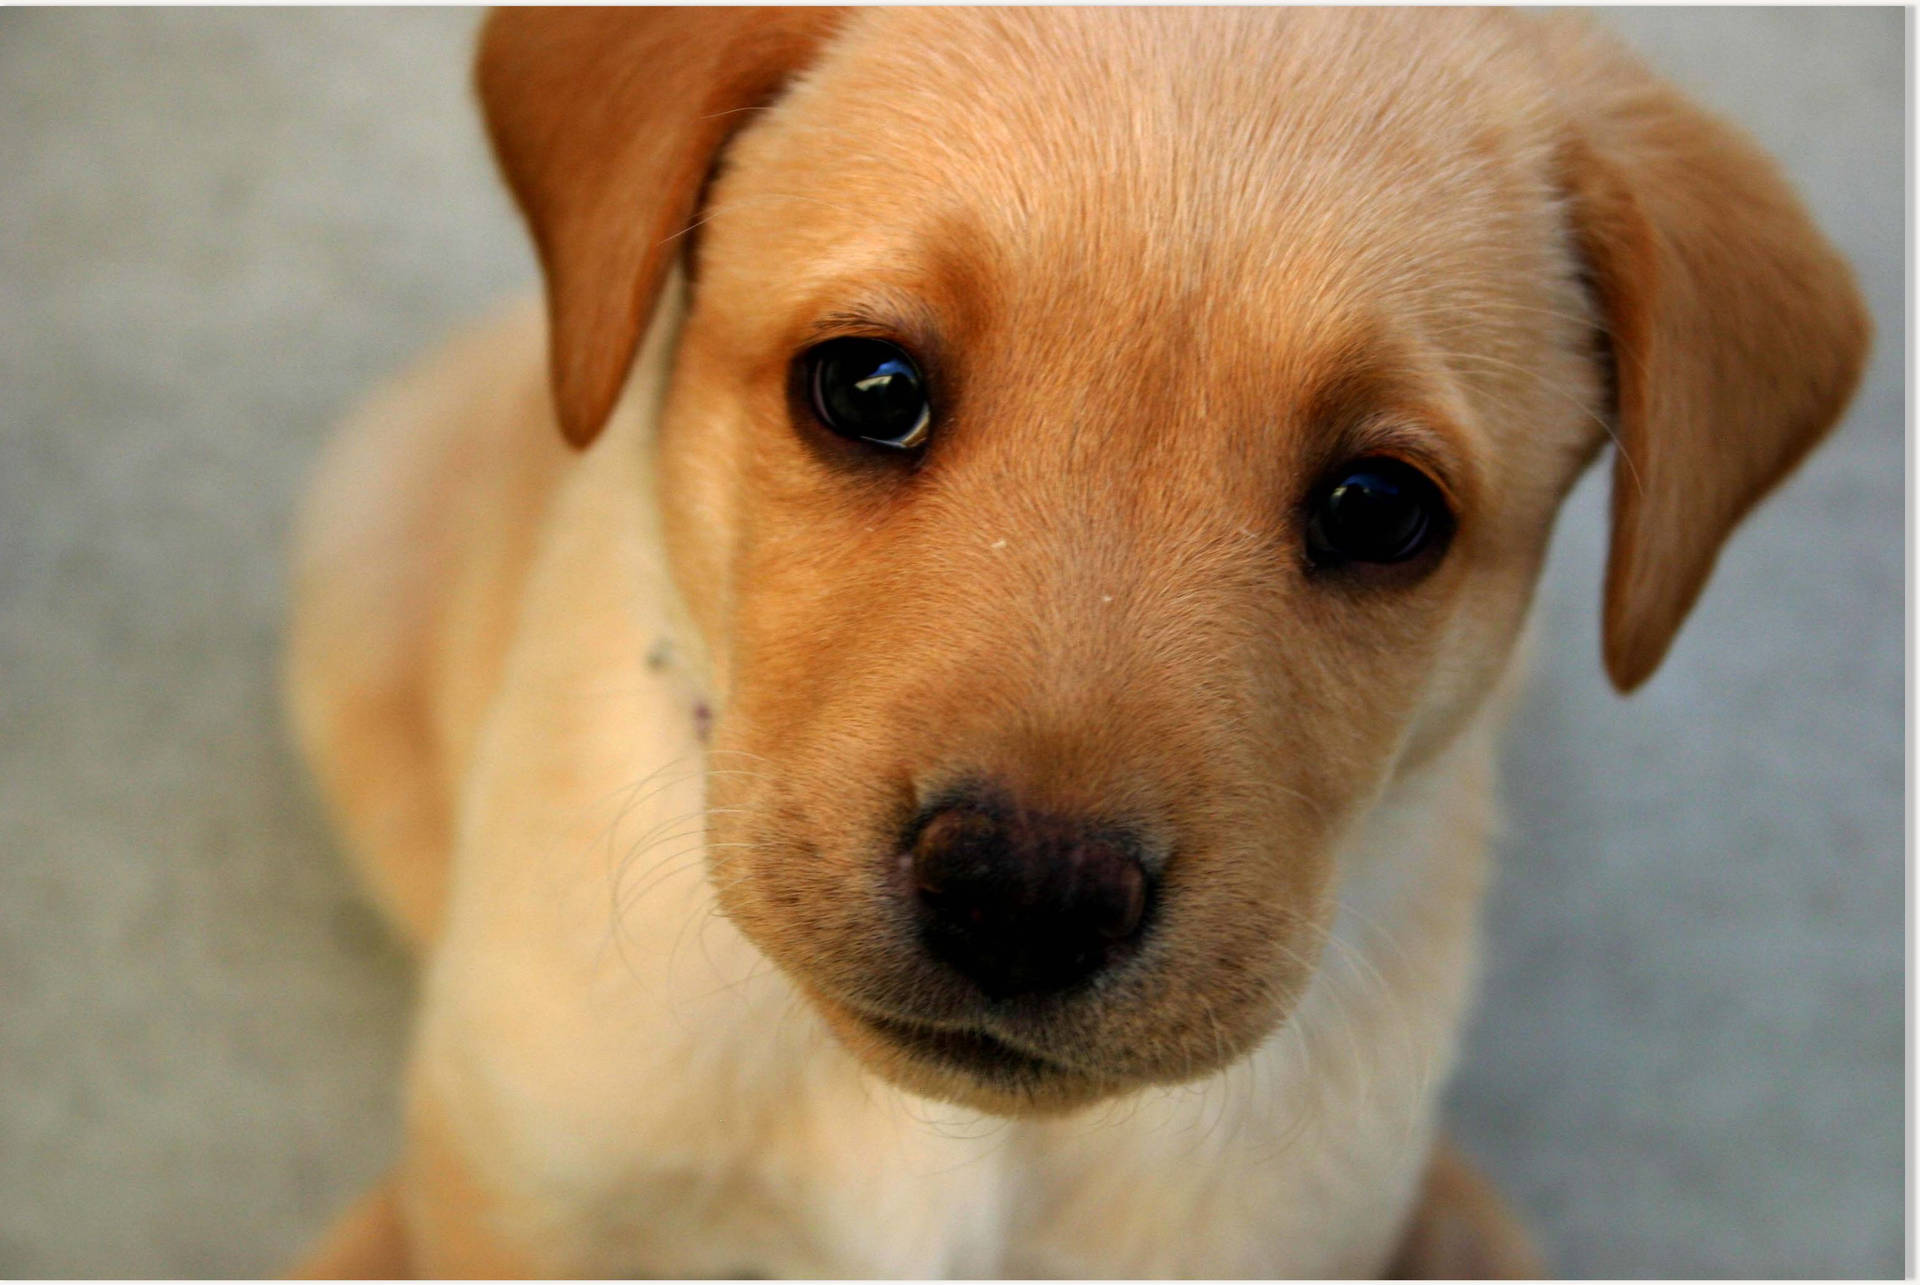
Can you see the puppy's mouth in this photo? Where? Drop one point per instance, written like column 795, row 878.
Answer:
column 965, row 1065
column 974, row 1052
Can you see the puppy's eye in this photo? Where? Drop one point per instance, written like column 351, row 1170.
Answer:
column 1376, row 510
column 869, row 390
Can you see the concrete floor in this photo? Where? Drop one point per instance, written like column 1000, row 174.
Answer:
column 217, row 227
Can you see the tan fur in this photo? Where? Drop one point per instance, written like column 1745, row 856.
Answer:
column 1461, row 1229
column 1169, row 266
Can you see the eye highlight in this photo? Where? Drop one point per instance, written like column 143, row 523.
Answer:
column 869, row 390
column 1378, row 510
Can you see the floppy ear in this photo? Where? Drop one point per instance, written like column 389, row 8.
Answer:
column 606, row 123
column 1737, row 333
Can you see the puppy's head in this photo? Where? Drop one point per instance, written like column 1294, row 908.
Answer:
column 1107, row 448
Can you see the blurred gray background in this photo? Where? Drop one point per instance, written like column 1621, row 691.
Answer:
column 217, row 228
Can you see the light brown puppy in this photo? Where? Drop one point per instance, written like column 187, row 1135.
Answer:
column 984, row 766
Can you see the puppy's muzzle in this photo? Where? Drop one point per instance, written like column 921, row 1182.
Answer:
column 1024, row 903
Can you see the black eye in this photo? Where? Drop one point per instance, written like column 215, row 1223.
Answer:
column 869, row 390
column 1375, row 510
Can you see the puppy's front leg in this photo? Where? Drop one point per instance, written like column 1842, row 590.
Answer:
column 367, row 1242
column 1462, row 1229
column 429, row 1217
column 448, row 1220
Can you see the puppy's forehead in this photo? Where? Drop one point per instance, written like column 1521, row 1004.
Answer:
column 1150, row 155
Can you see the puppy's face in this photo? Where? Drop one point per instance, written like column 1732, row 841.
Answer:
column 1106, row 449
column 1215, row 416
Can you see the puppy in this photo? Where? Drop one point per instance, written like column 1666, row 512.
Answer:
column 933, row 712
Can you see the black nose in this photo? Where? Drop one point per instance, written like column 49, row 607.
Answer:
column 1025, row 903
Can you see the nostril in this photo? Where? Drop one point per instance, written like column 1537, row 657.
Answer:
column 956, row 846
column 1119, row 884
column 1023, row 902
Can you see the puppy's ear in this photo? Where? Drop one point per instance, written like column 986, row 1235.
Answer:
column 1737, row 334
column 606, row 123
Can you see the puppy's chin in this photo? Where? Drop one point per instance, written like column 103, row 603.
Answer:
column 963, row 1067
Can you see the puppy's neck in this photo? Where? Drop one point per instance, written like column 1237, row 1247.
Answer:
column 676, row 648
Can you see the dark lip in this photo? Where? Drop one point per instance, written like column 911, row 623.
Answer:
column 974, row 1052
